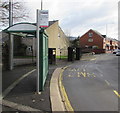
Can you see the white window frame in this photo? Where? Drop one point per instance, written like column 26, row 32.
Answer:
column 90, row 34
column 90, row 40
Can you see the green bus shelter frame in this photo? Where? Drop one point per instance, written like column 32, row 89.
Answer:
column 42, row 49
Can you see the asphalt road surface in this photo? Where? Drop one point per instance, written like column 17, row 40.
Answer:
column 92, row 84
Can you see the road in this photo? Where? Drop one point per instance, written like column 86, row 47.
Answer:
column 92, row 85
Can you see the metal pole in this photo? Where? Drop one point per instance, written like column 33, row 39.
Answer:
column 106, row 30
column 118, row 24
column 10, row 13
column 10, row 36
column 37, row 34
column 41, row 4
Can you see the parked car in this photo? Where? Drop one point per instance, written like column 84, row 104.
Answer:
column 115, row 51
column 118, row 53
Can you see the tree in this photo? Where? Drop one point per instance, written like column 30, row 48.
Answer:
column 67, row 32
column 75, row 42
column 19, row 12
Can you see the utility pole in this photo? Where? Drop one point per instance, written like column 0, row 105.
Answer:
column 10, row 36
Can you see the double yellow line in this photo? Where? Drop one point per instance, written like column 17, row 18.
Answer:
column 116, row 93
column 64, row 94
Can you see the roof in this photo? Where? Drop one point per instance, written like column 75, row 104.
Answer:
column 24, row 27
column 52, row 22
column 98, row 33
column 102, row 36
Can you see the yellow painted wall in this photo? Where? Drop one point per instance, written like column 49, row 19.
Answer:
column 57, row 39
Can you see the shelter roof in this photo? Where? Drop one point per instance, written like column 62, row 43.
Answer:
column 22, row 27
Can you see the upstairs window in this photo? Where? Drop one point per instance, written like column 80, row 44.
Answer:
column 90, row 40
column 90, row 34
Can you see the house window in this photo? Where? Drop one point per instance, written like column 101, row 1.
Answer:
column 90, row 34
column 58, row 35
column 95, row 47
column 90, row 40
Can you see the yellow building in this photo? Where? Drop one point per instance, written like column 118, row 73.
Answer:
column 57, row 38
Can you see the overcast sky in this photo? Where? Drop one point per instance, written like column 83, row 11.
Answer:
column 78, row 16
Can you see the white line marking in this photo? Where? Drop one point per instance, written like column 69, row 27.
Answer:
column 107, row 82
column 18, row 106
column 101, row 75
column 84, row 70
column 15, row 83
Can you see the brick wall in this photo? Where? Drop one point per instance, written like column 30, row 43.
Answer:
column 94, row 40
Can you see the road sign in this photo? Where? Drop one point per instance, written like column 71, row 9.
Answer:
column 43, row 18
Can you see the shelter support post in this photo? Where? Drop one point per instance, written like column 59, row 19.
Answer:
column 37, row 34
column 11, row 52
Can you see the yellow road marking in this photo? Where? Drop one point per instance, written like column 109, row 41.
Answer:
column 66, row 67
column 107, row 82
column 93, row 75
column 69, row 75
column 74, row 69
column 78, row 75
column 116, row 93
column 88, row 74
column 84, row 74
column 93, row 59
column 66, row 100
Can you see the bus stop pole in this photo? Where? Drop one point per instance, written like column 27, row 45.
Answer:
column 37, row 34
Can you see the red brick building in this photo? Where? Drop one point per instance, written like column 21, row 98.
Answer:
column 94, row 40
column 91, row 39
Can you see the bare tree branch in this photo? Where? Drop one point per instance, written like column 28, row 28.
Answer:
column 19, row 12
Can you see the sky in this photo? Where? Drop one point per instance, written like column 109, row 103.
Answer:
column 76, row 17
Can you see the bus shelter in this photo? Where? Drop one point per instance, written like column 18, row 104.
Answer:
column 42, row 49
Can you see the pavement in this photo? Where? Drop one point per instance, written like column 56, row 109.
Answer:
column 24, row 61
column 19, row 89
